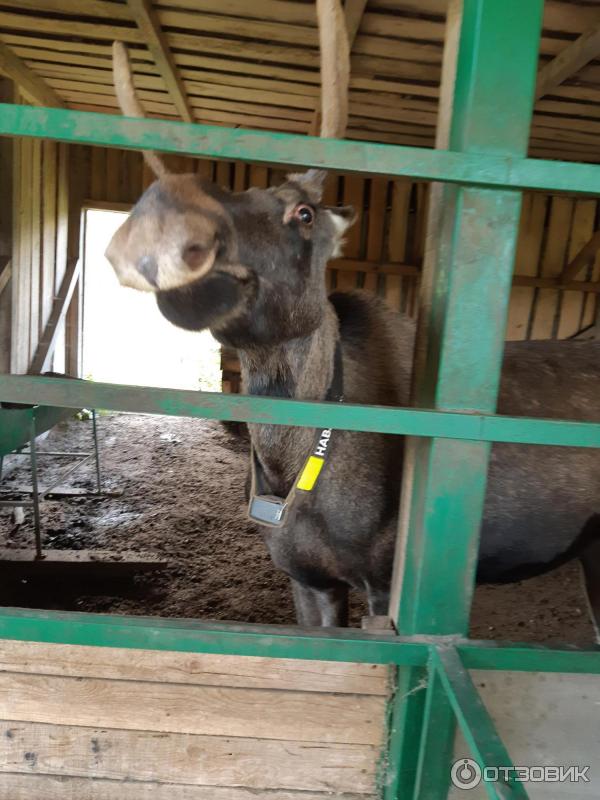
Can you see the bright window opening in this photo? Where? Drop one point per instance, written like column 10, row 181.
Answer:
column 125, row 338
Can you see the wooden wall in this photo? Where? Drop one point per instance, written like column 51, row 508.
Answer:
column 107, row 724
column 384, row 249
column 6, row 215
column 45, row 293
column 553, row 231
column 383, row 252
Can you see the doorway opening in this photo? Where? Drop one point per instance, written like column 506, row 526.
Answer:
column 125, row 337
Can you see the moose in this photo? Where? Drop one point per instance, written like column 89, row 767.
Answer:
column 250, row 266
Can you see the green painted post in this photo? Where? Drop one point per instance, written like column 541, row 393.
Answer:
column 433, row 775
column 488, row 80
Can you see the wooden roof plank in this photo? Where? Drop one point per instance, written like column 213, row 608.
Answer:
column 569, row 61
column 109, row 101
column 432, row 7
column 585, row 93
column 69, row 27
column 570, row 108
column 56, row 48
column 81, row 84
column 267, row 10
column 270, row 103
column 193, row 67
column 149, row 25
column 371, row 104
column 73, row 63
column 192, row 79
column 223, row 48
column 103, row 77
column 559, row 15
column 249, row 27
column 89, row 8
column 27, row 80
column 567, row 17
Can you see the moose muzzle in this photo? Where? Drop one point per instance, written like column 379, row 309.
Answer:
column 171, row 238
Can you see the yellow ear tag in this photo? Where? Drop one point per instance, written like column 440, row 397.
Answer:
column 310, row 473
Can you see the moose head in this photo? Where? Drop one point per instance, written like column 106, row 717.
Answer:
column 248, row 265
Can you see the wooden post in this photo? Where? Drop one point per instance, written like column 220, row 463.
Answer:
column 21, row 259
column 74, row 315
column 6, row 240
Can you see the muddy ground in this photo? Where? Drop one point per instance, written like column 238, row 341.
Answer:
column 182, row 498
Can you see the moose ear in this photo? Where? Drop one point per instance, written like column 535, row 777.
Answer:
column 311, row 182
column 342, row 217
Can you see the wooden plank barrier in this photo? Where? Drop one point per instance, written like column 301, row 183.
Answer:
column 109, row 724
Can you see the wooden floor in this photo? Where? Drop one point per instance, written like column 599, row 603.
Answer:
column 85, row 723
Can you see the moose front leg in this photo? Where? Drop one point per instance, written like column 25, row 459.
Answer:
column 320, row 607
column 379, row 602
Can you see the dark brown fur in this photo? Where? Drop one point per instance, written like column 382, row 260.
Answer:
column 265, row 295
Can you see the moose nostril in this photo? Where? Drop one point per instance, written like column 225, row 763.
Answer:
column 195, row 255
column 148, row 267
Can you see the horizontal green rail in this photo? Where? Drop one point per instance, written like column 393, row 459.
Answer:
column 275, row 641
column 278, row 411
column 191, row 636
column 298, row 151
column 525, row 657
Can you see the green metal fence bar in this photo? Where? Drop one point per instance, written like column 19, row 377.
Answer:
column 475, row 723
column 293, row 150
column 511, row 656
column 278, row 411
column 277, row 641
column 433, row 775
column 192, row 636
column 486, row 101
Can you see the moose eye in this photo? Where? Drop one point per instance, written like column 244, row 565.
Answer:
column 304, row 214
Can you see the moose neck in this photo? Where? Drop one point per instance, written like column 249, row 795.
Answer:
column 301, row 369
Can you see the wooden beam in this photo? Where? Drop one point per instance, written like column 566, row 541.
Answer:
column 569, row 61
column 156, row 41
column 353, row 14
column 592, row 287
column 76, row 236
column 45, row 349
column 414, row 270
column 20, row 563
column 5, row 275
column 583, row 258
column 27, row 80
column 21, row 257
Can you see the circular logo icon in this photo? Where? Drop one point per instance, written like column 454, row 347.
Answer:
column 465, row 773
